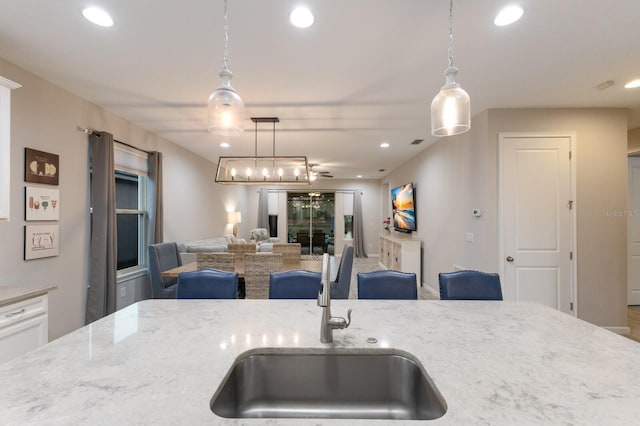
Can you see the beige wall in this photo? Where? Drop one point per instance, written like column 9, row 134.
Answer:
column 634, row 140
column 45, row 117
column 451, row 179
column 458, row 174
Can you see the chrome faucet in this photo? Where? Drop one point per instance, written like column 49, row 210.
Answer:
column 328, row 323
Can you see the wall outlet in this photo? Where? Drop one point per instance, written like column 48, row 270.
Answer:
column 469, row 237
column 123, row 291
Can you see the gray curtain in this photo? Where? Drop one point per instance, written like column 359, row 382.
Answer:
column 101, row 293
column 156, row 212
column 358, row 230
column 263, row 210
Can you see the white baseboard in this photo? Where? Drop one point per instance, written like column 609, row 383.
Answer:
column 625, row 331
column 433, row 291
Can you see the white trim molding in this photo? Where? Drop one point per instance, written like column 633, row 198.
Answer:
column 5, row 145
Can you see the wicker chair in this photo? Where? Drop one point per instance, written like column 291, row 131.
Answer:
column 241, row 248
column 290, row 251
column 216, row 260
column 257, row 271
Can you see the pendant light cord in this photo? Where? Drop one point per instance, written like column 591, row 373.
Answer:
column 226, row 37
column 450, row 33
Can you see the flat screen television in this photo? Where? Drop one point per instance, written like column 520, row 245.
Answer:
column 403, row 207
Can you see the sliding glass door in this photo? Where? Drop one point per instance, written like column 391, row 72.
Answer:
column 311, row 220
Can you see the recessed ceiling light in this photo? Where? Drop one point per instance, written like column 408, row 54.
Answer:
column 224, row 145
column 359, row 176
column 384, row 145
column 632, row 84
column 508, row 16
column 301, row 17
column 98, row 16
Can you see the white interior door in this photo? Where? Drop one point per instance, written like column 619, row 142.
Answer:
column 633, row 232
column 535, row 194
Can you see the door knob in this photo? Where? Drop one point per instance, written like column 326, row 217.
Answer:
column 509, row 259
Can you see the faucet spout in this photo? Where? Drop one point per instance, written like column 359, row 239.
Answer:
column 324, row 296
column 328, row 323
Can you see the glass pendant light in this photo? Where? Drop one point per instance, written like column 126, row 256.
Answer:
column 450, row 109
column 226, row 109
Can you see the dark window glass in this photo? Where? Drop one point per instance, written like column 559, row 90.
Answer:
column 127, row 240
column 126, row 191
column 273, row 225
column 348, row 226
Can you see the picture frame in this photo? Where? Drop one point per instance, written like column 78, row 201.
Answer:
column 41, row 241
column 41, row 167
column 41, row 203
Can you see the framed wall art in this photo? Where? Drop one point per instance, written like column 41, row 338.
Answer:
column 41, row 241
column 41, row 203
column 41, row 167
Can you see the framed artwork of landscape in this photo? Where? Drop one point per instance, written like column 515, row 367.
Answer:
column 41, row 167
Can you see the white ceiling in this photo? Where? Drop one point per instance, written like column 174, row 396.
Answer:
column 365, row 73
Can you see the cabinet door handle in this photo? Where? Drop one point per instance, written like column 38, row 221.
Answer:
column 13, row 314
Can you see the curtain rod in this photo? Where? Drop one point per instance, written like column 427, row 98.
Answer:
column 90, row 131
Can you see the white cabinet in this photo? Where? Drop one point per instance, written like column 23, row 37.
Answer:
column 23, row 326
column 400, row 254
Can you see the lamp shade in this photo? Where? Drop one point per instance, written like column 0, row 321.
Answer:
column 233, row 218
column 226, row 109
column 450, row 111
column 451, row 108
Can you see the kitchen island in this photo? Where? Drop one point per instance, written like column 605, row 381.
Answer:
column 160, row 361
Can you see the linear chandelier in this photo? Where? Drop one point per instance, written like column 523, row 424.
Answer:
column 263, row 170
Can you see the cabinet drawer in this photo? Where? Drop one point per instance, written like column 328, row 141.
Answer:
column 22, row 337
column 23, row 310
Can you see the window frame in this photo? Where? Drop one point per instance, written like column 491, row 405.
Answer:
column 5, row 146
column 143, row 220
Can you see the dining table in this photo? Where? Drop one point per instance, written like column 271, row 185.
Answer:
column 312, row 265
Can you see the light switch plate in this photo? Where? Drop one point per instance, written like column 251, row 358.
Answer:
column 469, row 237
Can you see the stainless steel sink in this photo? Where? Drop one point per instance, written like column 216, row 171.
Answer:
column 379, row 384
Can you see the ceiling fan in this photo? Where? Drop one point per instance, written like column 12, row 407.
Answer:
column 318, row 173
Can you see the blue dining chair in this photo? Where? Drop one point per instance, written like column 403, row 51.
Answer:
column 469, row 285
column 340, row 287
column 294, row 285
column 387, row 284
column 207, row 284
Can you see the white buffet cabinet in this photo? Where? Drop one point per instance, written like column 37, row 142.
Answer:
column 24, row 320
column 400, row 253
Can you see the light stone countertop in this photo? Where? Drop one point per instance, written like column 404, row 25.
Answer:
column 15, row 293
column 159, row 362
